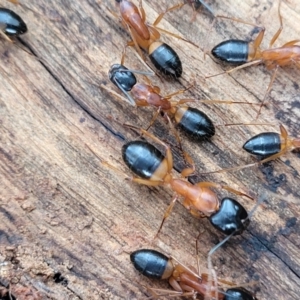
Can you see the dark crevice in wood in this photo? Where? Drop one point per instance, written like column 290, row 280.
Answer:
column 86, row 110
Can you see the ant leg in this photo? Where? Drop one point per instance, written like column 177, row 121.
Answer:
column 175, row 35
column 186, row 171
column 137, row 47
column 142, row 11
column 156, row 293
column 291, row 43
column 153, row 118
column 179, row 92
column 246, row 65
column 267, row 91
column 276, row 35
column 161, row 15
column 129, row 44
column 224, row 187
column 167, row 214
column 272, row 157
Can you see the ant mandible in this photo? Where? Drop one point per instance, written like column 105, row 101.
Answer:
column 154, row 169
column 147, row 36
column 183, row 280
column 245, row 54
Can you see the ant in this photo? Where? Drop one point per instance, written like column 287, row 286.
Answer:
column 189, row 119
column 154, row 169
column 147, row 36
column 185, row 281
column 192, row 121
column 245, row 54
column 269, row 145
column 11, row 24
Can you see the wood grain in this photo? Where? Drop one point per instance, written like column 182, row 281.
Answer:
column 67, row 222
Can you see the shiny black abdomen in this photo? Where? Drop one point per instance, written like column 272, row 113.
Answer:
column 264, row 144
column 166, row 60
column 238, row 294
column 230, row 217
column 234, row 52
column 11, row 23
column 122, row 77
column 150, row 263
column 197, row 124
column 142, row 158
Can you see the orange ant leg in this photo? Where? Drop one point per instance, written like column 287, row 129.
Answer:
column 246, row 65
column 224, row 187
column 267, row 91
column 142, row 11
column 129, row 44
column 278, row 32
column 291, row 43
column 153, row 118
column 161, row 15
column 178, row 92
column 134, row 40
column 156, row 293
column 167, row 214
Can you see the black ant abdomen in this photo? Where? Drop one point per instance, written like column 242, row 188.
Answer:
column 152, row 263
column 11, row 23
column 165, row 59
column 143, row 159
column 234, row 52
column 264, row 144
column 194, row 122
column 231, row 217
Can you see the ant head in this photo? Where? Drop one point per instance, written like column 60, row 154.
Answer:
column 230, row 218
column 123, row 78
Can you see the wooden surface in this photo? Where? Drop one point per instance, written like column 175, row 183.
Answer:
column 68, row 223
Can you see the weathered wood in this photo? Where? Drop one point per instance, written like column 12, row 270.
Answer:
column 67, row 222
